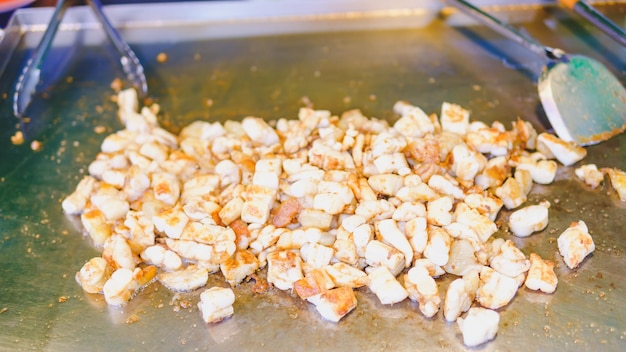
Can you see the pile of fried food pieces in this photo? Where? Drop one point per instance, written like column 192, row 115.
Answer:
column 327, row 204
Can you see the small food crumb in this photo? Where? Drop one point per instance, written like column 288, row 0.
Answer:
column 99, row 129
column 3, row 310
column 17, row 138
column 161, row 57
column 209, row 102
column 132, row 319
column 63, row 299
column 35, row 145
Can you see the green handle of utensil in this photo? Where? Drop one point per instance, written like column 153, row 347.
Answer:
column 592, row 15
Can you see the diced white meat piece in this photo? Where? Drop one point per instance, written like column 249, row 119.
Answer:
column 140, row 230
column 120, row 287
column 316, row 255
column 409, row 210
column 315, row 218
column 378, row 253
column 258, row 203
column 541, row 171
column 385, row 286
column 422, row 288
column 350, row 223
column 332, row 197
column 334, row 304
column 493, row 174
column 208, row 233
column 96, row 226
column 314, row 282
column 618, row 181
column 590, row 174
column 454, row 118
column 438, row 248
column 231, row 210
column 575, row 244
column 117, row 142
column 346, row 275
column 417, row 193
column 198, row 186
column 392, row 163
column 197, row 208
column 117, row 252
column 466, row 163
column 386, row 184
column 283, row 269
column 460, row 295
column 361, row 236
column 434, row 270
column 490, row 140
column 485, row 203
column 216, row 304
column 228, row 172
column 462, row 258
column 161, row 257
column 510, row 260
column 199, row 252
column 114, row 208
column 188, row 279
column 75, row 203
column 541, row 276
column 127, row 101
column 155, row 151
column 511, row 193
column 527, row 220
column 414, row 122
column 377, row 209
column 461, row 231
column 439, row 211
column 203, row 130
column 241, row 265
column 416, row 232
column 481, row 224
column 137, row 182
column 479, row 326
column 446, row 185
column 166, row 187
column 495, row 290
column 93, row 275
column 388, row 230
column 259, row 131
column 567, row 153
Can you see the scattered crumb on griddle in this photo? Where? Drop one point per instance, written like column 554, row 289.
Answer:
column 99, row 129
column 3, row 310
column 17, row 138
column 63, row 299
column 161, row 57
column 36, row 145
column 117, row 85
column 132, row 319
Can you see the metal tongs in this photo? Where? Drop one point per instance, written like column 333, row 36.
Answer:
column 28, row 81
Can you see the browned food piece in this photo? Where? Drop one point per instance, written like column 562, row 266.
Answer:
column 315, row 282
column 287, row 211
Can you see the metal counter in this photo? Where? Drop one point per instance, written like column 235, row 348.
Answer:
column 263, row 59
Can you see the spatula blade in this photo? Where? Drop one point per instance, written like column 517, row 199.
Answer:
column 583, row 100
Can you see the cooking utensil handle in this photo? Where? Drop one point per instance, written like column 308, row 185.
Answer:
column 592, row 15
column 130, row 63
column 507, row 30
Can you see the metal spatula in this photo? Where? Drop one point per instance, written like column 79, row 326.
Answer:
column 584, row 102
column 28, row 81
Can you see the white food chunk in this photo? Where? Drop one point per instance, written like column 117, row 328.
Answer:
column 438, row 248
column 511, row 193
column 479, row 326
column 75, row 203
column 541, row 276
column 96, row 226
column 118, row 252
column 258, row 203
column 93, row 275
column 590, row 174
column 417, row 234
column 386, row 184
column 460, row 295
column 216, row 304
column 575, row 243
column 120, row 287
column 482, row 225
column 241, row 265
column 346, row 275
column 188, row 279
column 466, row 163
column 527, row 220
column 378, row 253
column 162, row 258
column 414, row 122
column 166, row 187
column 509, row 260
column 567, row 153
column 618, row 181
column 385, row 286
column 495, row 290
column 422, row 288
column 462, row 258
column 316, row 255
column 334, row 304
column 388, row 230
column 283, row 269
column 259, row 131
column 439, row 211
column 454, row 118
